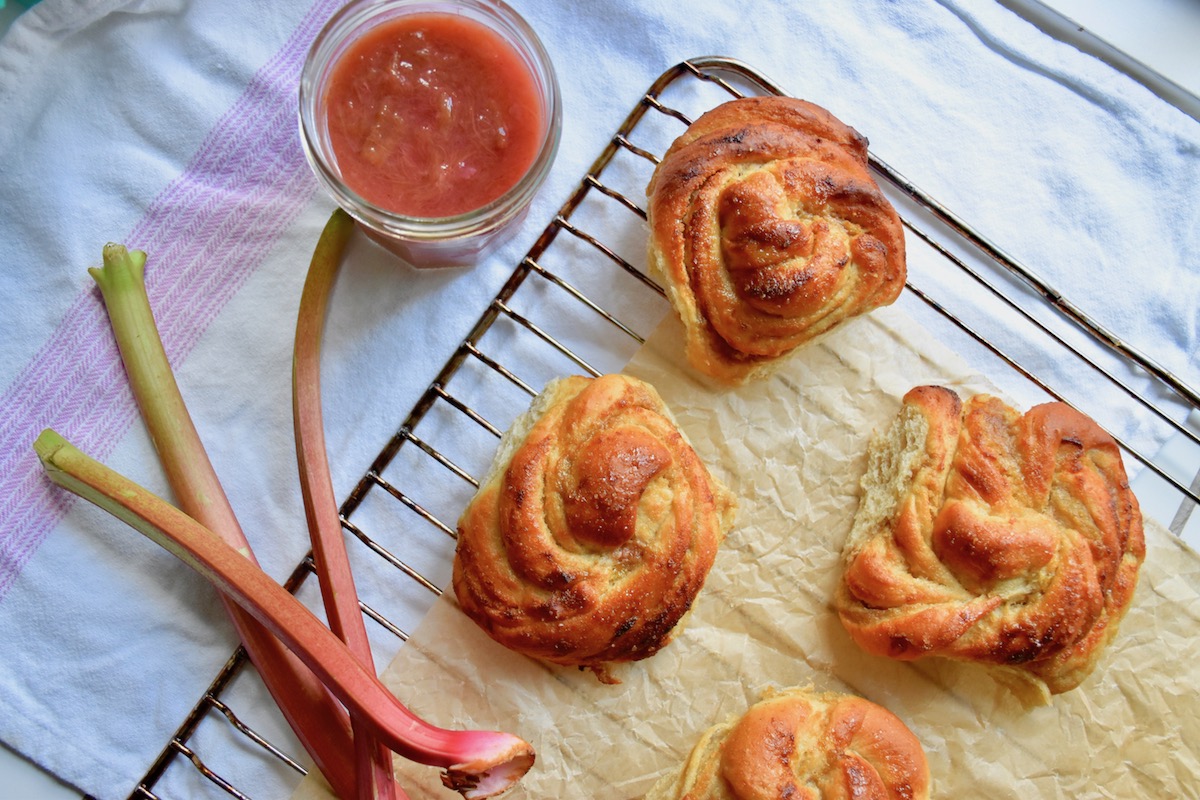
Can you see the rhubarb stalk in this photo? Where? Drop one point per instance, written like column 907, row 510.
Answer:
column 476, row 763
column 322, row 726
column 316, row 485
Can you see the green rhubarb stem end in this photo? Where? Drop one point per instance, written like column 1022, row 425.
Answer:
column 122, row 284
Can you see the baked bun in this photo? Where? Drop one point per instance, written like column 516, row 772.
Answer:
column 767, row 230
column 989, row 536
column 805, row 746
column 594, row 530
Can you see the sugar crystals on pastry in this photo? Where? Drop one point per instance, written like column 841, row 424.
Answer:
column 985, row 535
column 595, row 529
column 768, row 230
column 803, row 745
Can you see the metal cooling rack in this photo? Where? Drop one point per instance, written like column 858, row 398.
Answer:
column 482, row 386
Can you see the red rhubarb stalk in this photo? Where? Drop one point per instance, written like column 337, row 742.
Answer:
column 476, row 763
column 320, row 724
column 316, row 485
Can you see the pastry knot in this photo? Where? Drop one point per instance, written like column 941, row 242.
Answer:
column 804, row 745
column 768, row 230
column 991, row 536
column 595, row 530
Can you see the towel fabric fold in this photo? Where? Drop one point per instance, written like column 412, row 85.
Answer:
column 171, row 126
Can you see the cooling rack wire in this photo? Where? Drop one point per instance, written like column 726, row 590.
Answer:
column 580, row 302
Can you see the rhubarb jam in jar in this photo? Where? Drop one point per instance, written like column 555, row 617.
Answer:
column 432, row 123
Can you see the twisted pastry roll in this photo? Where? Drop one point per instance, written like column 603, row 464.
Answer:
column 595, row 529
column 767, row 229
column 803, row 745
column 989, row 536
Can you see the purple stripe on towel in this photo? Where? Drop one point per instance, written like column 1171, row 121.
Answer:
column 243, row 187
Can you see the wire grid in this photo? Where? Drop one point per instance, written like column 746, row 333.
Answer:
column 484, row 351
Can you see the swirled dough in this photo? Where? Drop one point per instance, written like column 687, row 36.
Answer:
column 595, row 529
column 767, row 230
column 804, row 745
column 990, row 536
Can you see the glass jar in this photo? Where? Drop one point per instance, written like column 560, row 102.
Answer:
column 434, row 241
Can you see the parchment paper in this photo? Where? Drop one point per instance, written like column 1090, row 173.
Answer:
column 792, row 449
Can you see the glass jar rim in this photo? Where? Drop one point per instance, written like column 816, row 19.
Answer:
column 346, row 26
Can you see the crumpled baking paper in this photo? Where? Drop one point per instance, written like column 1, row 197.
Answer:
column 792, row 449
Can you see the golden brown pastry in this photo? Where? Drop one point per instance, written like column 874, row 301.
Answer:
column 767, row 230
column 989, row 536
column 802, row 745
column 595, row 529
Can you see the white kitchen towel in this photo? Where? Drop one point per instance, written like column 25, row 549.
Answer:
column 171, row 126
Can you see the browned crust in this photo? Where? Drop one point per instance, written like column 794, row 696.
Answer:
column 768, row 230
column 803, row 744
column 1017, row 544
column 590, row 545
